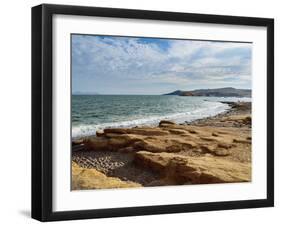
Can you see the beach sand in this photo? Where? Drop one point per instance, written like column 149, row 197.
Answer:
column 210, row 150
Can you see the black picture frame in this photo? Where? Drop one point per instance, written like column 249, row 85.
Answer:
column 42, row 111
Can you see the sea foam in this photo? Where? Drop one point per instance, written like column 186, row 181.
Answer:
column 210, row 108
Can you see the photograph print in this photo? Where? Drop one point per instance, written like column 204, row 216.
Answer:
column 159, row 112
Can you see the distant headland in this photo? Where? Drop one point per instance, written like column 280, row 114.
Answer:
column 220, row 92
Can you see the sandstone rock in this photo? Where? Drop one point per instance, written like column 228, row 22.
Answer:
column 247, row 120
column 111, row 142
column 149, row 146
column 195, row 170
column 118, row 142
column 115, row 130
column 224, row 145
column 217, row 151
column 185, row 143
column 177, row 131
column 209, row 138
column 113, row 135
column 192, row 131
column 207, row 148
column 157, row 163
column 166, row 122
column 242, row 141
column 164, row 140
column 221, row 152
column 175, row 148
column 222, row 132
column 215, row 134
column 97, row 143
column 126, row 150
column 92, row 179
column 138, row 131
column 242, row 119
column 167, row 126
column 149, row 132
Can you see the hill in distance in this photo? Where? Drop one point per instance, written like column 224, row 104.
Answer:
column 220, row 92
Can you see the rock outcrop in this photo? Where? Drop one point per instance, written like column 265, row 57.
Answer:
column 178, row 169
column 173, row 138
column 92, row 179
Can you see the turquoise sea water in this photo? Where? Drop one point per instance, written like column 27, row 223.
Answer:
column 94, row 112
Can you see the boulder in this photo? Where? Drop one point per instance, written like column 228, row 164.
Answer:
column 99, row 133
column 194, row 170
column 166, row 122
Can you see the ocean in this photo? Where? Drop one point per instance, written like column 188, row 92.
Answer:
column 96, row 112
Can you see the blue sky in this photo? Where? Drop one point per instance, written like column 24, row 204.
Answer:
column 126, row 65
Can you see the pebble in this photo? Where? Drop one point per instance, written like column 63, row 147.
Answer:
column 103, row 161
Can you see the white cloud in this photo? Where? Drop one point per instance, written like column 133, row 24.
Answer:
column 181, row 63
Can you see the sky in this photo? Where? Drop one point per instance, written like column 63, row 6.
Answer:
column 127, row 65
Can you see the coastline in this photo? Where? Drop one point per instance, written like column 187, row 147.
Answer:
column 167, row 154
column 150, row 117
column 236, row 109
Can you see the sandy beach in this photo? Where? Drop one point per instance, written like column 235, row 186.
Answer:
column 210, row 150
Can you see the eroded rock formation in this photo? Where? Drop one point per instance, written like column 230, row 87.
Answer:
column 176, row 154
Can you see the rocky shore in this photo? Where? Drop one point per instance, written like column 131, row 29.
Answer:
column 210, row 150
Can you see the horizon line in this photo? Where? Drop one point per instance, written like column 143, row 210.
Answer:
column 97, row 93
